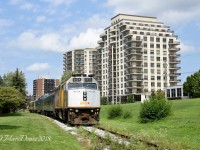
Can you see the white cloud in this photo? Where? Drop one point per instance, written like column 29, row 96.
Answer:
column 59, row 2
column 188, row 48
column 27, row 6
column 86, row 39
column 40, row 19
column 38, row 67
column 48, row 42
column 170, row 11
column 5, row 23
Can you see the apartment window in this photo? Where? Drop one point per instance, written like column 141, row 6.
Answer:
column 179, row 91
column 157, row 39
column 152, row 64
column 145, row 51
column 145, row 38
column 164, row 46
column 158, row 84
column 173, row 92
column 164, row 40
column 145, row 44
column 152, row 78
column 158, row 78
column 158, row 71
column 145, row 64
column 151, row 45
column 151, row 39
column 157, row 45
column 145, row 77
column 152, row 71
column 145, row 70
column 164, row 58
column 152, row 84
column 152, row 52
column 158, row 58
column 145, row 57
column 152, row 58
column 168, row 93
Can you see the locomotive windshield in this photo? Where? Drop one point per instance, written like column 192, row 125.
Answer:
column 82, row 85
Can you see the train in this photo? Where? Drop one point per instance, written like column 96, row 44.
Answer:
column 77, row 101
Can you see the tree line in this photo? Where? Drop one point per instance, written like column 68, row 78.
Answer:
column 12, row 91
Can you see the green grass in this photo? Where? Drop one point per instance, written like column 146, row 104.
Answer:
column 28, row 125
column 178, row 131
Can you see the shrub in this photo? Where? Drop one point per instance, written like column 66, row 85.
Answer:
column 155, row 108
column 115, row 111
column 127, row 114
column 130, row 99
column 104, row 101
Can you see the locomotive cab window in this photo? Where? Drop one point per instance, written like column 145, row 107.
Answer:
column 82, row 85
column 75, row 86
column 90, row 85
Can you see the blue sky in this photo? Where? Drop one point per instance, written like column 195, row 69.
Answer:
column 34, row 34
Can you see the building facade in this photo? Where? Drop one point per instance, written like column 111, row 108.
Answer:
column 44, row 86
column 136, row 55
column 81, row 61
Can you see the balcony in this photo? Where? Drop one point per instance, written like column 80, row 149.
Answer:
column 174, row 67
column 174, row 55
column 100, row 42
column 174, row 74
column 128, row 40
column 176, row 49
column 102, row 35
column 174, row 61
column 139, row 46
column 133, row 52
column 174, row 43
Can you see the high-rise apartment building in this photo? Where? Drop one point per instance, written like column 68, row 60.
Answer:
column 81, row 61
column 136, row 55
column 44, row 86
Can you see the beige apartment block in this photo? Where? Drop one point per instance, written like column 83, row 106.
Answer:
column 80, row 61
column 136, row 55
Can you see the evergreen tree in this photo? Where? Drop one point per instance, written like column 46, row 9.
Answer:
column 19, row 81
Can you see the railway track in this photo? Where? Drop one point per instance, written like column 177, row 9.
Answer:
column 102, row 134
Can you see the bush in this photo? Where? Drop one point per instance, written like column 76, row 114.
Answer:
column 104, row 101
column 127, row 114
column 115, row 111
column 155, row 108
column 130, row 99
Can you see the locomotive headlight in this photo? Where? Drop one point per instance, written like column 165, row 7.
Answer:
column 76, row 110
column 92, row 110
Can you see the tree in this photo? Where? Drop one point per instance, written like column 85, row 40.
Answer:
column 1, row 81
column 192, row 85
column 66, row 75
column 16, row 79
column 19, row 81
column 10, row 99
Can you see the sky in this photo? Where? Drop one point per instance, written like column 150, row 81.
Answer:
column 34, row 34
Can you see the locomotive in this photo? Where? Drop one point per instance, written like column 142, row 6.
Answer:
column 77, row 101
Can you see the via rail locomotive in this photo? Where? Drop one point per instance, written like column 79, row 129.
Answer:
column 77, row 101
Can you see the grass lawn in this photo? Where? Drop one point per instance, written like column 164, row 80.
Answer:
column 181, row 130
column 29, row 131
